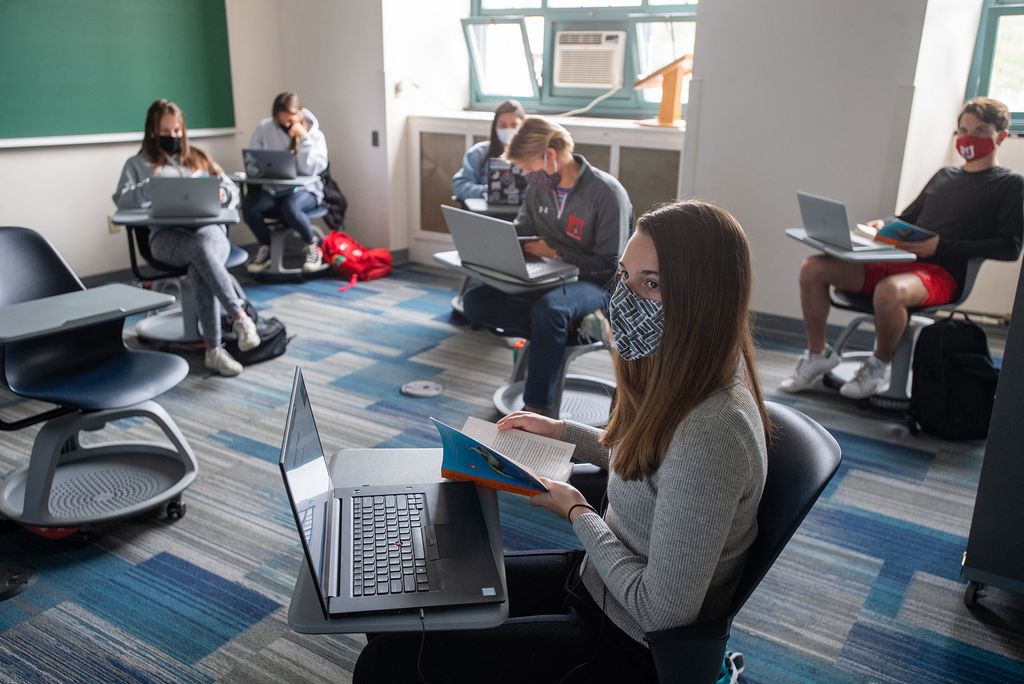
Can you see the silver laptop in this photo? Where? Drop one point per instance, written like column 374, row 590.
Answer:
column 492, row 246
column 825, row 221
column 380, row 549
column 275, row 164
column 184, row 197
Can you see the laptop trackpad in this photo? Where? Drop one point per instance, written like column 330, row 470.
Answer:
column 460, row 540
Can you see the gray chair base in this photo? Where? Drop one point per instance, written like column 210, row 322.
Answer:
column 280, row 250
column 581, row 398
column 68, row 484
column 897, row 397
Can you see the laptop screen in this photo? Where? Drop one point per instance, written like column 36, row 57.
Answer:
column 306, row 478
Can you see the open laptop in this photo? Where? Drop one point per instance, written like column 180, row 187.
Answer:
column 505, row 182
column 492, row 246
column 275, row 164
column 825, row 221
column 380, row 549
column 184, row 197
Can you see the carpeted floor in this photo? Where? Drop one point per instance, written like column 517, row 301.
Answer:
column 868, row 590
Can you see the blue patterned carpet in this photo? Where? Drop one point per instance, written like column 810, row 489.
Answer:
column 868, row 590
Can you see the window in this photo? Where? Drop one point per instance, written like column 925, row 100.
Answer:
column 998, row 69
column 515, row 46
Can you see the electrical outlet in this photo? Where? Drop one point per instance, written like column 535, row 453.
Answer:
column 111, row 226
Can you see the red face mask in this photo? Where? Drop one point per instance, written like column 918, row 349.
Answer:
column 972, row 147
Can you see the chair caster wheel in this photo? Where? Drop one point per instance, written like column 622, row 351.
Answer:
column 176, row 509
column 913, row 426
column 971, row 594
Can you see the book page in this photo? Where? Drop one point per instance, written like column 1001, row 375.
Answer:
column 544, row 456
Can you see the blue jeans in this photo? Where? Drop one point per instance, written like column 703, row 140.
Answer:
column 291, row 209
column 544, row 318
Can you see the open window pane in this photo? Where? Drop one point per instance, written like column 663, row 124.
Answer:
column 1007, row 81
column 658, row 44
column 593, row 3
column 535, row 33
column 509, row 4
column 497, row 51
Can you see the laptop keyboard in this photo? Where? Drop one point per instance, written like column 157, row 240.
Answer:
column 387, row 549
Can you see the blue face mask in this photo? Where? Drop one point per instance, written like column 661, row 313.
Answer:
column 637, row 323
column 542, row 180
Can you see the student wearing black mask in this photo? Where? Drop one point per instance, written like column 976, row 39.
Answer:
column 166, row 151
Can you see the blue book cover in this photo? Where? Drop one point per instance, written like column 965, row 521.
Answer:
column 897, row 231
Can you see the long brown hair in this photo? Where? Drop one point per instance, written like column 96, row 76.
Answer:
column 497, row 148
column 705, row 279
column 190, row 157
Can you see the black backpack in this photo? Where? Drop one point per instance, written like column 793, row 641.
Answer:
column 273, row 339
column 334, row 200
column 955, row 381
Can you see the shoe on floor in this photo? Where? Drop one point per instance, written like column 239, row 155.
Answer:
column 314, row 258
column 261, row 261
column 870, row 379
column 245, row 331
column 219, row 361
column 809, row 370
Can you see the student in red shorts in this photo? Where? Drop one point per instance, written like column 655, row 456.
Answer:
column 976, row 210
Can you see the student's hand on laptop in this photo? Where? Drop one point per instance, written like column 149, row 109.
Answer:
column 922, row 248
column 560, row 497
column 535, row 423
column 539, row 248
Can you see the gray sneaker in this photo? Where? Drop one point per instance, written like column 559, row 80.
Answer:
column 871, row 378
column 222, row 363
column 314, row 258
column 809, row 370
column 261, row 261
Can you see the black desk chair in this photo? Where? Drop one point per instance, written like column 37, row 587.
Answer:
column 94, row 380
column 802, row 459
column 178, row 326
column 897, row 397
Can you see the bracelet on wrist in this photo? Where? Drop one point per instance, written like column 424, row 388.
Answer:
column 568, row 515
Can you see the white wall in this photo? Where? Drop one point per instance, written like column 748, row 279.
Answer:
column 64, row 192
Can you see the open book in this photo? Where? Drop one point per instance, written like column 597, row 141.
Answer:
column 510, row 461
column 896, row 231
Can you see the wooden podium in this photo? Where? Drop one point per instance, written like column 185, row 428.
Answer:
column 670, row 78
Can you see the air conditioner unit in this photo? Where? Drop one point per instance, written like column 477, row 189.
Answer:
column 589, row 59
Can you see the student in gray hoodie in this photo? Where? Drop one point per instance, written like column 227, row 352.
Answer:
column 578, row 214
column 289, row 128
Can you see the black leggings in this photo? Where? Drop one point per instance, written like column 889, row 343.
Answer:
column 554, row 625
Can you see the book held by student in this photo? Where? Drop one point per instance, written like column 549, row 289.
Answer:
column 510, row 461
column 896, row 231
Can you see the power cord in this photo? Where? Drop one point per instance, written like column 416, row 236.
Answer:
column 593, row 103
column 423, row 641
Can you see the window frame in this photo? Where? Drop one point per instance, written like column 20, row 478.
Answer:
column 627, row 103
column 980, row 78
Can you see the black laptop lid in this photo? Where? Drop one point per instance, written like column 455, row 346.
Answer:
column 307, row 481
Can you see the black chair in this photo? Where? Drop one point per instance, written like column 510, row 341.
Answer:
column 802, row 459
column 94, row 380
column 897, row 397
column 181, row 325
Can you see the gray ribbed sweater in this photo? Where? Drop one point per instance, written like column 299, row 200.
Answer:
column 671, row 548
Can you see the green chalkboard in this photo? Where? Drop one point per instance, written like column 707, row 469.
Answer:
column 79, row 67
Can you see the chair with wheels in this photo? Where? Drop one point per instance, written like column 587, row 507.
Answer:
column 178, row 326
column 897, row 397
column 802, row 459
column 93, row 379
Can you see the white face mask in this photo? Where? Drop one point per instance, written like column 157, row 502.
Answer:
column 505, row 134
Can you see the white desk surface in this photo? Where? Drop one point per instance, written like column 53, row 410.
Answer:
column 388, row 467
column 141, row 217
column 480, row 206
column 888, row 255
column 76, row 310
column 242, row 177
column 451, row 261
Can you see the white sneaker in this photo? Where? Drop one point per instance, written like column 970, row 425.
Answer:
column 314, row 258
column 871, row 378
column 245, row 331
column 261, row 261
column 809, row 370
column 596, row 328
column 219, row 361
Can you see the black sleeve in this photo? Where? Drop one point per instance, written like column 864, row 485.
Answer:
column 913, row 210
column 1005, row 245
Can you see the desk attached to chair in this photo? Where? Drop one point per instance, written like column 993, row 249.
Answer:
column 142, row 217
column 861, row 256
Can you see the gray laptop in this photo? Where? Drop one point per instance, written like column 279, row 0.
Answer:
column 275, row 164
column 379, row 549
column 492, row 246
column 825, row 221
column 184, row 197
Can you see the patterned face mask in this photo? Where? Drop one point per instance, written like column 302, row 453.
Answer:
column 636, row 323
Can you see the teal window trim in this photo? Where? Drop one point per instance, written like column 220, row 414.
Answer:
column 984, row 50
column 626, row 103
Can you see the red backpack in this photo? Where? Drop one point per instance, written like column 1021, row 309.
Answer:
column 351, row 260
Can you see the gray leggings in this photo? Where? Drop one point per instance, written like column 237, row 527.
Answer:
column 204, row 252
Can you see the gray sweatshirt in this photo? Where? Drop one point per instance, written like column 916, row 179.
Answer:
column 591, row 230
column 670, row 549
column 310, row 156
